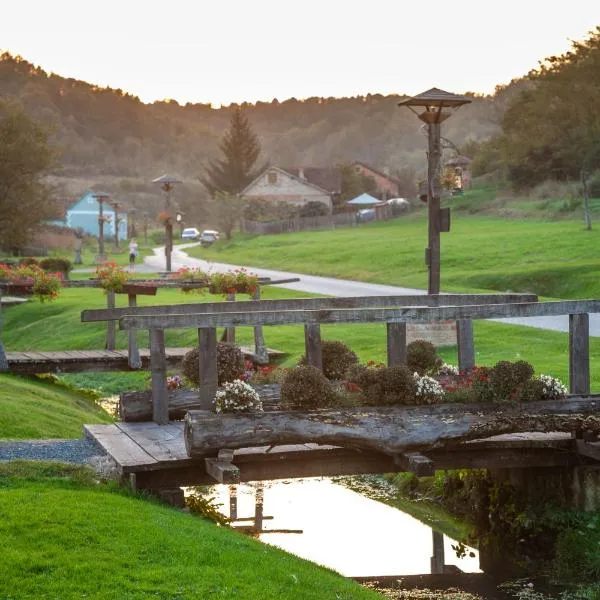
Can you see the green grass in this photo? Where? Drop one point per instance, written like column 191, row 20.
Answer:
column 38, row 409
column 555, row 259
column 65, row 537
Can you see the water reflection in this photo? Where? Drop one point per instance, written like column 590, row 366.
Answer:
column 341, row 529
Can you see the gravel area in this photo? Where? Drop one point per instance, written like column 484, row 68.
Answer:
column 74, row 451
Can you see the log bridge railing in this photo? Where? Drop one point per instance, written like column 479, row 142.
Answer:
column 395, row 311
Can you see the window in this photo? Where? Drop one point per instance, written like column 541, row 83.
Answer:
column 271, row 177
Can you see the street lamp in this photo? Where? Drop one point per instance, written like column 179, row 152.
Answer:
column 167, row 182
column 101, row 198
column 438, row 105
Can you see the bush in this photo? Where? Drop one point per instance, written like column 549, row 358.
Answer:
column 27, row 262
column 421, row 357
column 506, row 377
column 230, row 364
column 594, row 185
column 56, row 265
column 337, row 359
column 306, row 388
column 157, row 237
column 387, row 385
column 313, row 209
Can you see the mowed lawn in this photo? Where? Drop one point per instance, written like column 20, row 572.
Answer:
column 551, row 258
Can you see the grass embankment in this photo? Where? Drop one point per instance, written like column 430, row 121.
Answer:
column 57, row 326
column 481, row 254
column 64, row 536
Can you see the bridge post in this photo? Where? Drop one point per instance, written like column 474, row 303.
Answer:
column 229, row 333
column 579, row 353
column 396, row 344
column 207, row 364
column 132, row 349
column 261, row 354
column 3, row 361
column 466, row 346
column 110, row 325
column 158, row 364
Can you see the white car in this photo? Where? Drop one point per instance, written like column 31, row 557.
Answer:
column 190, row 233
column 208, row 237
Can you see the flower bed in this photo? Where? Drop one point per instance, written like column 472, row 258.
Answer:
column 31, row 279
column 238, row 281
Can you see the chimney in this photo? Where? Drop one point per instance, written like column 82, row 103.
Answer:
column 301, row 173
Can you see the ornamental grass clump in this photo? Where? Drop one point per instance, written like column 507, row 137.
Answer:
column 421, row 358
column 237, row 397
column 306, row 388
column 337, row 359
column 230, row 364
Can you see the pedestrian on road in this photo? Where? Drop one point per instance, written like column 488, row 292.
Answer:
column 133, row 251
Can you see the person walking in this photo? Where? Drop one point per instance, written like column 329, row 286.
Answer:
column 133, row 252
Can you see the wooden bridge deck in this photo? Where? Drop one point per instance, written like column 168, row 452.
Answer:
column 154, row 456
column 75, row 361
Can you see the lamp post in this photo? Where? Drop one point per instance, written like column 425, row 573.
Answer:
column 101, row 198
column 167, row 182
column 438, row 106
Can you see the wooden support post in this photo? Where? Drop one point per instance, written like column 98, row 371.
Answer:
column 110, row 325
column 437, row 560
column 229, row 333
column 396, row 344
column 233, row 506
column 132, row 350
column 261, row 354
column 158, row 365
column 312, row 345
column 258, row 507
column 3, row 361
column 207, row 364
column 221, row 468
column 466, row 345
column 416, row 463
column 579, row 353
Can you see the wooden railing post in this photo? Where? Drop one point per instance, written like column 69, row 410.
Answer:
column 158, row 365
column 396, row 344
column 110, row 325
column 3, row 361
column 229, row 333
column 261, row 354
column 312, row 345
column 466, row 345
column 207, row 364
column 133, row 353
column 579, row 353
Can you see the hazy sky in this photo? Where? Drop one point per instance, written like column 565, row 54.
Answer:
column 234, row 50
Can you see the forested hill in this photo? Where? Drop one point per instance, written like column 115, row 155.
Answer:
column 105, row 131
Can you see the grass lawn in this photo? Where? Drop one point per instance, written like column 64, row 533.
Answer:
column 551, row 258
column 64, row 536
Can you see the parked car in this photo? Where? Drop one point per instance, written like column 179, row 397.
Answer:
column 208, row 237
column 190, row 233
column 365, row 214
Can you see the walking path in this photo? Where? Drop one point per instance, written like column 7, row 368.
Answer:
column 330, row 286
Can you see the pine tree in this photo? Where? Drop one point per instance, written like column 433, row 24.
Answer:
column 241, row 149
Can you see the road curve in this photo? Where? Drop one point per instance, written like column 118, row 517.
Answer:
column 330, row 286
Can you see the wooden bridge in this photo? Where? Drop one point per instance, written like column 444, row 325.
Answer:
column 161, row 453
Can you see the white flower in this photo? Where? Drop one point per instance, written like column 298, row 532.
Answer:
column 447, row 369
column 237, row 396
column 553, row 388
column 428, row 387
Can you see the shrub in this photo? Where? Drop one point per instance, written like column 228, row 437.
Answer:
column 157, row 237
column 429, row 390
column 387, row 385
column 594, row 185
column 506, row 377
column 421, row 357
column 313, row 209
column 56, row 264
column 230, row 363
column 29, row 261
column 305, row 387
column 337, row 359
column 236, row 397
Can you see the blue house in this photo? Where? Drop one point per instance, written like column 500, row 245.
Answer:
column 84, row 214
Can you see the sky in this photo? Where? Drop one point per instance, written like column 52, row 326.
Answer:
column 224, row 51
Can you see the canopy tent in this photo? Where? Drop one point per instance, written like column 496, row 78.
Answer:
column 364, row 200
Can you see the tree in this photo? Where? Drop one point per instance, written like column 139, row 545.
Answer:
column 25, row 159
column 355, row 183
column 241, row 149
column 227, row 209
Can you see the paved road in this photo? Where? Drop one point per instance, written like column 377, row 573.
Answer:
column 342, row 287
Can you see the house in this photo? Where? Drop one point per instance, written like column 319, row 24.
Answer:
column 297, row 186
column 84, row 213
column 387, row 187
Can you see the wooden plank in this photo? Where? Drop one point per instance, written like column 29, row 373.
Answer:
column 164, row 443
column 313, row 348
column 579, row 353
column 230, row 331
column 466, row 344
column 396, row 344
column 90, row 315
column 158, row 365
column 416, row 463
column 135, row 362
column 588, row 449
column 125, row 451
column 111, row 334
column 222, row 471
column 207, row 364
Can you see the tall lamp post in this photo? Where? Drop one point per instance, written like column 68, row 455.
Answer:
column 101, row 198
column 167, row 182
column 437, row 106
